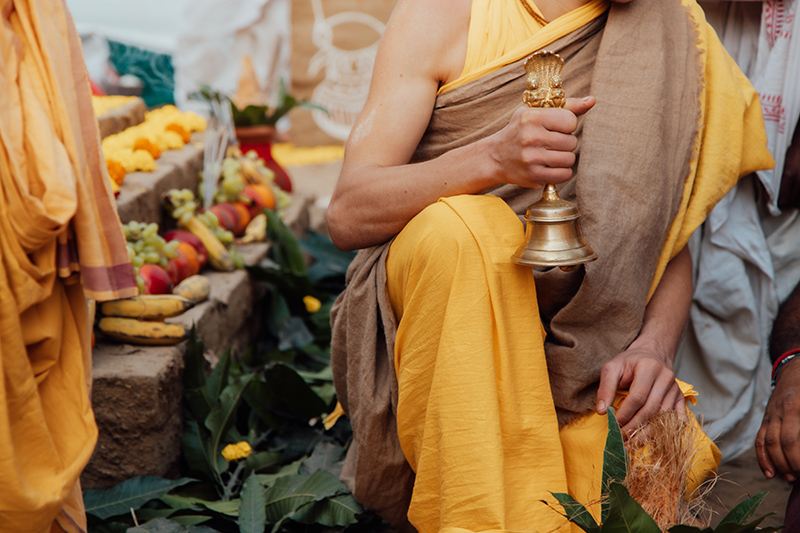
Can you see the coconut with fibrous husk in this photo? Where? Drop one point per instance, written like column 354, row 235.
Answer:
column 661, row 456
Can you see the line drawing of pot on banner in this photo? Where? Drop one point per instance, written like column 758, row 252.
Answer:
column 343, row 91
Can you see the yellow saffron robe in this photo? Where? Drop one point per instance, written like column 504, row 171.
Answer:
column 473, row 407
column 60, row 243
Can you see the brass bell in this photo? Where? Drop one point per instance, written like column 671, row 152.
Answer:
column 552, row 232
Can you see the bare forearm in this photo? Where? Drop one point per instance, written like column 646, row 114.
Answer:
column 668, row 309
column 382, row 200
column 786, row 329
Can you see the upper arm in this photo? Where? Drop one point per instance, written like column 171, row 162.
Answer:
column 417, row 53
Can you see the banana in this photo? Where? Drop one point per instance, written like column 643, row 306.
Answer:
column 147, row 307
column 250, row 173
column 134, row 331
column 256, row 230
column 218, row 255
column 195, row 288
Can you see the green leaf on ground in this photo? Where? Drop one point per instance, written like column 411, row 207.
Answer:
column 132, row 493
column 615, row 461
column 253, row 499
column 625, row 514
column 744, row 510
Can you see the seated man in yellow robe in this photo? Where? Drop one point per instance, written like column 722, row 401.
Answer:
column 60, row 243
column 474, row 386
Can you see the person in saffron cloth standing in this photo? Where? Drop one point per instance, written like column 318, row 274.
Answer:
column 474, row 386
column 60, row 243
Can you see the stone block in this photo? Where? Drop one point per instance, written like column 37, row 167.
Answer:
column 136, row 395
column 117, row 120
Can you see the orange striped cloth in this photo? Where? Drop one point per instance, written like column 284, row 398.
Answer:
column 60, row 243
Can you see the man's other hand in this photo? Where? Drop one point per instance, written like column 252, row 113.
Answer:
column 778, row 439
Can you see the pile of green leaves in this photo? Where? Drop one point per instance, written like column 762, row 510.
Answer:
column 621, row 513
column 274, row 398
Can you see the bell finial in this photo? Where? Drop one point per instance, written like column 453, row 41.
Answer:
column 552, row 233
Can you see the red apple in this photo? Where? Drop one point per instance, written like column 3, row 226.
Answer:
column 156, row 279
column 178, row 268
column 226, row 219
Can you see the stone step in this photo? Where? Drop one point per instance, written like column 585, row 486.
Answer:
column 137, row 390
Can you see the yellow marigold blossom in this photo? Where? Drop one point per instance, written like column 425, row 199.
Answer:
column 180, row 130
column 312, row 304
column 234, row 452
column 168, row 140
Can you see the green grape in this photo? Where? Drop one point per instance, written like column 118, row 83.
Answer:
column 237, row 259
column 131, row 250
column 149, row 230
column 163, row 262
column 151, row 257
column 170, row 249
column 140, row 282
column 137, row 261
column 185, row 217
column 191, row 206
column 138, row 246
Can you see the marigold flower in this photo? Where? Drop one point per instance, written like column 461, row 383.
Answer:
column 115, row 171
column 312, row 304
column 142, row 143
column 180, row 130
column 234, row 452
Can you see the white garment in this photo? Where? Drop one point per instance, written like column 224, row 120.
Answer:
column 746, row 257
column 214, row 36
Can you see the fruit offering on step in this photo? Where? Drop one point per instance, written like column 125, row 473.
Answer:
column 147, row 247
column 194, row 288
column 147, row 332
column 205, row 226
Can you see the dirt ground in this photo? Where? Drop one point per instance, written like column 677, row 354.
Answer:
column 741, row 478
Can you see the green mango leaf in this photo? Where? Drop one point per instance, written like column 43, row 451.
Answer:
column 285, row 250
column 285, row 498
column 615, row 461
column 288, row 470
column 194, row 375
column 339, row 510
column 176, row 501
column 190, row 520
column 261, row 460
column 625, row 514
column 751, row 527
column 262, row 401
column 328, row 259
column 682, row 528
column 294, row 393
column 326, row 456
column 252, row 514
column 194, row 441
column 326, row 391
column 163, row 525
column 132, row 493
column 293, row 333
column 217, row 381
column 576, row 512
column 744, row 510
column 222, row 416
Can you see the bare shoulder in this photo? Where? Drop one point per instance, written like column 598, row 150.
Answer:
column 429, row 35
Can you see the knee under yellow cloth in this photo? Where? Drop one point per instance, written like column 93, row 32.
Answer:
column 475, row 415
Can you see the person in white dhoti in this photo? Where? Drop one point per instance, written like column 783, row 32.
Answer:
column 747, row 254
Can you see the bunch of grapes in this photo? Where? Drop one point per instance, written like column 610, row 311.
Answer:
column 184, row 205
column 145, row 245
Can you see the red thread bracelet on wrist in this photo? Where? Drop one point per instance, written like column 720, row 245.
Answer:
column 782, row 359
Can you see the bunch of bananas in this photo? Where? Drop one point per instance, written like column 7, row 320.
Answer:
column 139, row 320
